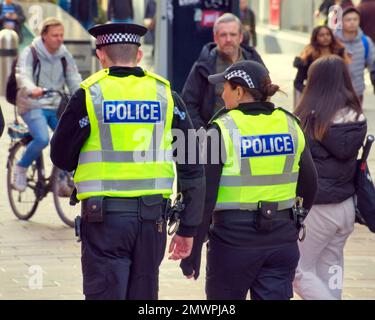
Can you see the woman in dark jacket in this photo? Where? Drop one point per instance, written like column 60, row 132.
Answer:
column 322, row 43
column 332, row 118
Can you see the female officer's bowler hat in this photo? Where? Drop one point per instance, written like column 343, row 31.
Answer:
column 248, row 74
column 118, row 33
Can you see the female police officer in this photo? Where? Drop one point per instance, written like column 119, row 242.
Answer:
column 264, row 165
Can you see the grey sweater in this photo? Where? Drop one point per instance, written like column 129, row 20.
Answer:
column 51, row 76
column 356, row 50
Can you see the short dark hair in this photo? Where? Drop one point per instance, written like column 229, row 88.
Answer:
column 350, row 10
column 118, row 53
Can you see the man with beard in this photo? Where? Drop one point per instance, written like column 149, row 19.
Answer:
column 203, row 99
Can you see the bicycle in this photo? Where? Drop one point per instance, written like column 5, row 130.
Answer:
column 60, row 183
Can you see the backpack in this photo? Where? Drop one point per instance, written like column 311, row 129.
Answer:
column 366, row 45
column 11, row 87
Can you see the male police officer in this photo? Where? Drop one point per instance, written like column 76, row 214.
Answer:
column 117, row 134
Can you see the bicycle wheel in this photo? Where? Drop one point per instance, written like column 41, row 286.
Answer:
column 62, row 188
column 23, row 204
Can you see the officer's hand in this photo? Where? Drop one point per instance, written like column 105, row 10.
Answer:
column 180, row 247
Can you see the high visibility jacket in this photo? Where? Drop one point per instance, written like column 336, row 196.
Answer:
column 129, row 150
column 262, row 160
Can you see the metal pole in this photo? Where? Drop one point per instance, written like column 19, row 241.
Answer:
column 9, row 43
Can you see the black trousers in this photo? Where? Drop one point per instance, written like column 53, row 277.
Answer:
column 267, row 273
column 241, row 259
column 121, row 258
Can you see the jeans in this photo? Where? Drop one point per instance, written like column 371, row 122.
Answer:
column 38, row 121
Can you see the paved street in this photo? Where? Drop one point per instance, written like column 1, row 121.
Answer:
column 44, row 242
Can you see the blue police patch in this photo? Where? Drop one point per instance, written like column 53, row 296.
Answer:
column 267, row 145
column 131, row 111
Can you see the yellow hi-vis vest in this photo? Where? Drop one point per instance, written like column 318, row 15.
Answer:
column 129, row 150
column 262, row 160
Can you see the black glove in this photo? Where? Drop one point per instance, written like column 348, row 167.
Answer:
column 192, row 264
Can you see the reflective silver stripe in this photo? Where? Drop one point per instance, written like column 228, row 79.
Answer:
column 289, row 161
column 125, row 156
column 258, row 181
column 282, row 205
column 232, row 128
column 158, row 133
column 123, row 185
column 104, row 128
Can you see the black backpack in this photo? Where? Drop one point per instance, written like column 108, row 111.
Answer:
column 11, row 88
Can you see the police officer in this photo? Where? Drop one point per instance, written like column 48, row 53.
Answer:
column 257, row 164
column 116, row 133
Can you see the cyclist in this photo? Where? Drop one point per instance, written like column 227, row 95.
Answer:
column 55, row 67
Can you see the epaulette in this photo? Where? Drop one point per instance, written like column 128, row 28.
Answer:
column 290, row 114
column 157, row 77
column 94, row 78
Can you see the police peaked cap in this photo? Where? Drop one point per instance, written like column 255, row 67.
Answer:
column 248, row 74
column 117, row 33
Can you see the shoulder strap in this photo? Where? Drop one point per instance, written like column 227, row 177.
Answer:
column 64, row 65
column 36, row 63
column 157, row 77
column 289, row 114
column 94, row 78
column 366, row 45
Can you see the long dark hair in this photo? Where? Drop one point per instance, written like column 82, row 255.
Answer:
column 329, row 89
column 313, row 49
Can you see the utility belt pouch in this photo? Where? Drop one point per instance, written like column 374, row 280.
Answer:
column 93, row 209
column 267, row 212
column 150, row 208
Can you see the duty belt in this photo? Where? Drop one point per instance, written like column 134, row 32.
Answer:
column 219, row 217
column 126, row 206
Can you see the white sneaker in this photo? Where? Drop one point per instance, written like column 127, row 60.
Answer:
column 19, row 178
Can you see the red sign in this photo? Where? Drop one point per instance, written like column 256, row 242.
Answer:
column 275, row 9
column 209, row 17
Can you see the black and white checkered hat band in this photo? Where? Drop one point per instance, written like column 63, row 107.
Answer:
column 113, row 38
column 241, row 74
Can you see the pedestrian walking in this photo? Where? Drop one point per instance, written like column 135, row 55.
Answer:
column 116, row 133
column 360, row 49
column 12, row 17
column 265, row 165
column 367, row 11
column 333, row 121
column 120, row 11
column 203, row 99
column 85, row 11
column 248, row 21
column 322, row 43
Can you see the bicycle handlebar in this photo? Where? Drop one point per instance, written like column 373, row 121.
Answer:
column 47, row 92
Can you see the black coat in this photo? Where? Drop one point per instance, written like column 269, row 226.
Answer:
column 335, row 161
column 198, row 93
column 120, row 9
